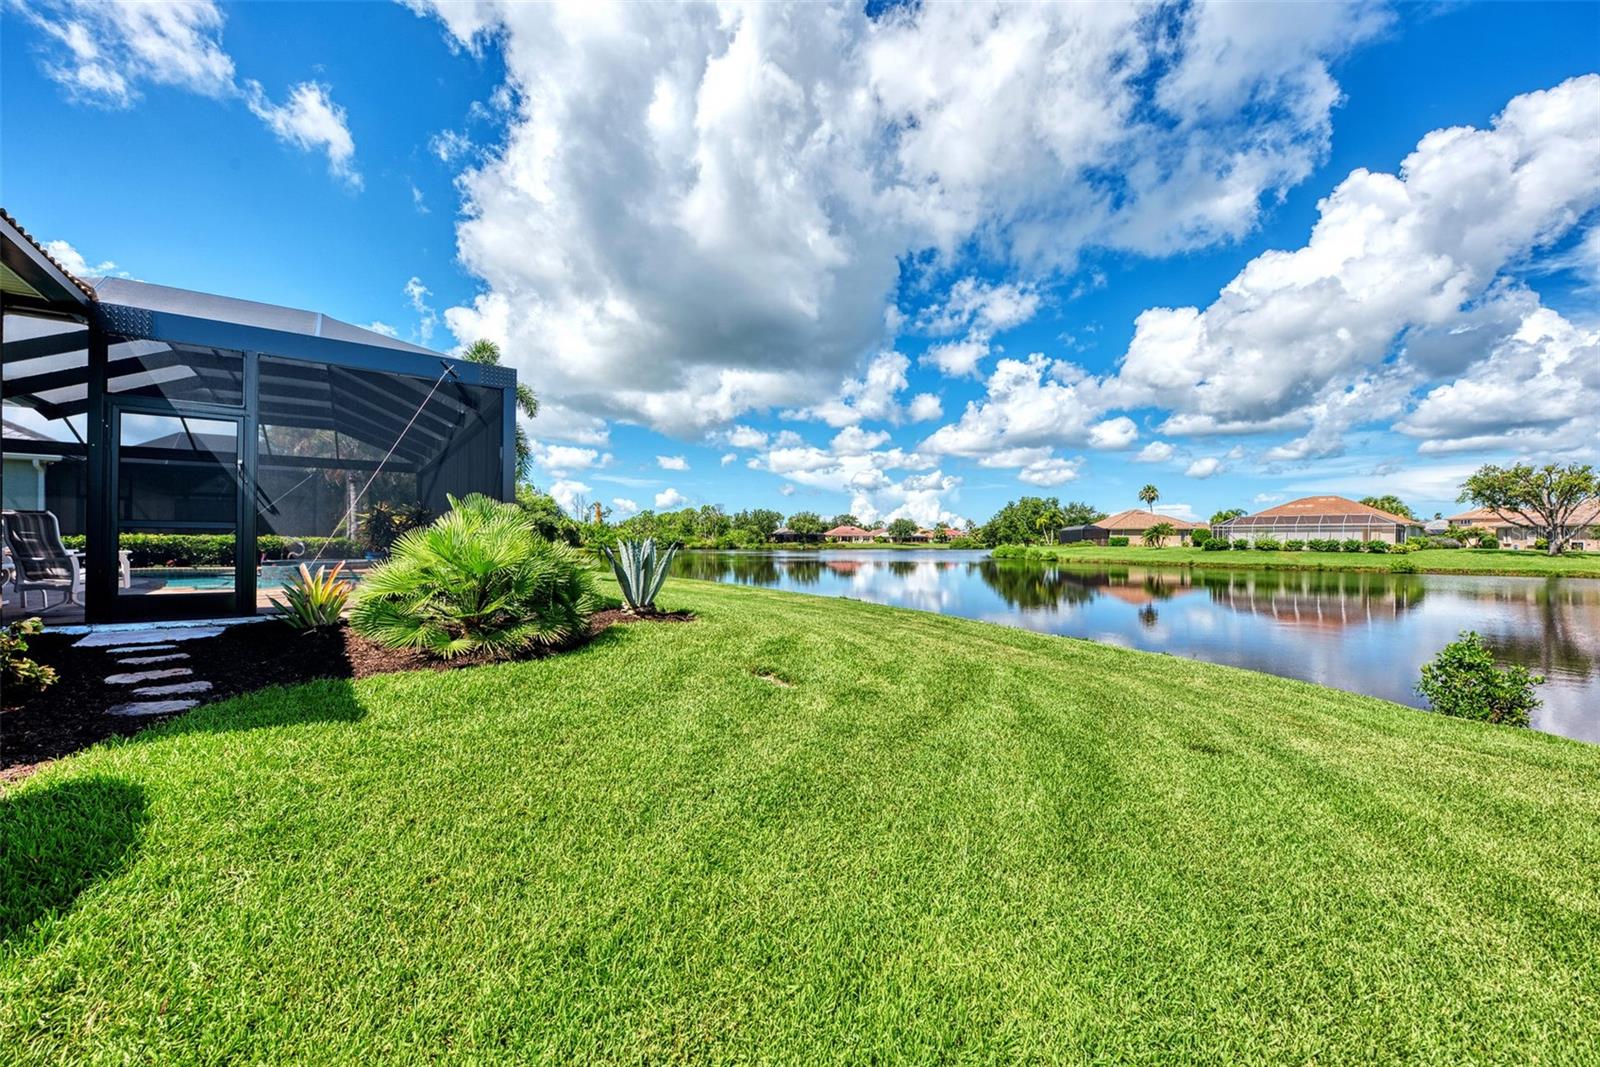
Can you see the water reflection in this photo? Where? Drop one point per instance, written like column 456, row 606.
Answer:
column 1368, row 632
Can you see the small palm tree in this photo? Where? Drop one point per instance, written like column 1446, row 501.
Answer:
column 1149, row 495
column 487, row 353
column 1158, row 533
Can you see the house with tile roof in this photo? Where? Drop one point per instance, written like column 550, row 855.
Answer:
column 1131, row 524
column 1325, row 517
column 1519, row 529
column 850, row 534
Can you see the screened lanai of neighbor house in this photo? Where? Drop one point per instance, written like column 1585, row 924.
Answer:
column 170, row 454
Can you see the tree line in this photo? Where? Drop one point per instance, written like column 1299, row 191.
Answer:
column 1552, row 497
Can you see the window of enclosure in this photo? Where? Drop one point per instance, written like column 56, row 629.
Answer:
column 179, row 373
column 353, row 454
column 43, row 434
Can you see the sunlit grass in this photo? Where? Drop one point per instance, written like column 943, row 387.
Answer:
column 801, row 830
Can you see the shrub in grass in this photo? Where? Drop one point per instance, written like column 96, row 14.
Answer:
column 1541, row 544
column 1199, row 537
column 1379, row 547
column 314, row 600
column 1216, row 544
column 1293, row 544
column 1324, row 544
column 1488, row 541
column 1267, row 544
column 477, row 580
column 1241, row 543
column 1117, row 542
column 1404, row 566
column 1463, row 682
column 1353, row 544
column 19, row 675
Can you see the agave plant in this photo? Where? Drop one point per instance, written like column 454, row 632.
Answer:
column 640, row 570
column 313, row 600
column 477, row 580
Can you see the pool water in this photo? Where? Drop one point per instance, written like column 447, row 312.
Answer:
column 270, row 577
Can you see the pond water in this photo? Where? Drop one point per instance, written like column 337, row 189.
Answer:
column 1364, row 632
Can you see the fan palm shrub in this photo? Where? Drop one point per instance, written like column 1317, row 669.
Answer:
column 1159, row 532
column 476, row 580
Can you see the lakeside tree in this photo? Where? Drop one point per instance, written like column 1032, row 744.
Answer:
column 760, row 522
column 1390, row 503
column 1023, row 521
column 844, row 518
column 806, row 522
column 1548, row 498
column 486, row 353
column 902, row 530
column 1226, row 515
column 1149, row 495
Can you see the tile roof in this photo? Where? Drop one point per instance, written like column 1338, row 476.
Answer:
column 83, row 286
column 1139, row 519
column 1586, row 515
column 1330, row 505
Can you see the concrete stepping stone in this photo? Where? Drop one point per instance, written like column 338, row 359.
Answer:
column 146, row 637
column 135, row 661
column 141, row 648
column 173, row 689
column 147, row 676
column 141, row 708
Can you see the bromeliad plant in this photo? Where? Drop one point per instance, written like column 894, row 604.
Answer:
column 640, row 570
column 314, row 600
column 477, row 580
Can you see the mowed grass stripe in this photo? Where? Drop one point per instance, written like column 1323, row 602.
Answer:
column 801, row 829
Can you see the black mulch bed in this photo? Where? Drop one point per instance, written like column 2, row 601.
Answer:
column 70, row 715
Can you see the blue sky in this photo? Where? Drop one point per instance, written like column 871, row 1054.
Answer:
column 917, row 261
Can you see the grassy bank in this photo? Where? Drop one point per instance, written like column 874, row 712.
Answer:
column 1429, row 560
column 805, row 829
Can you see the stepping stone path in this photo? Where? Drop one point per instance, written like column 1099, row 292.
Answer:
column 169, row 690
column 141, row 660
column 142, row 648
column 142, row 708
column 146, row 676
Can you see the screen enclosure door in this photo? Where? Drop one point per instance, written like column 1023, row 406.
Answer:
column 178, row 486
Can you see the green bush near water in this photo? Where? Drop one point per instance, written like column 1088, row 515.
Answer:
column 1464, row 682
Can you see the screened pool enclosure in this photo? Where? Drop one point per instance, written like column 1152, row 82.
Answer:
column 171, row 453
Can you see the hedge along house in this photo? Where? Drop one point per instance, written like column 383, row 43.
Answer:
column 144, row 410
column 1321, row 517
column 1130, row 524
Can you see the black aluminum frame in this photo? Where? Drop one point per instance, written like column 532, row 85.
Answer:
column 109, row 324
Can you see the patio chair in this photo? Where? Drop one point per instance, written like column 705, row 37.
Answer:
column 39, row 558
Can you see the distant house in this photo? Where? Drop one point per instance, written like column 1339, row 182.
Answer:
column 1521, row 529
column 925, row 535
column 1130, row 524
column 784, row 536
column 851, row 534
column 1324, row 517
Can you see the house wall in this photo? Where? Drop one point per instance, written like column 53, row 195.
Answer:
column 23, row 485
column 1136, row 537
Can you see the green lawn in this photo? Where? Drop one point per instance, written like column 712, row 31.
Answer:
column 1430, row 560
column 804, row 830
